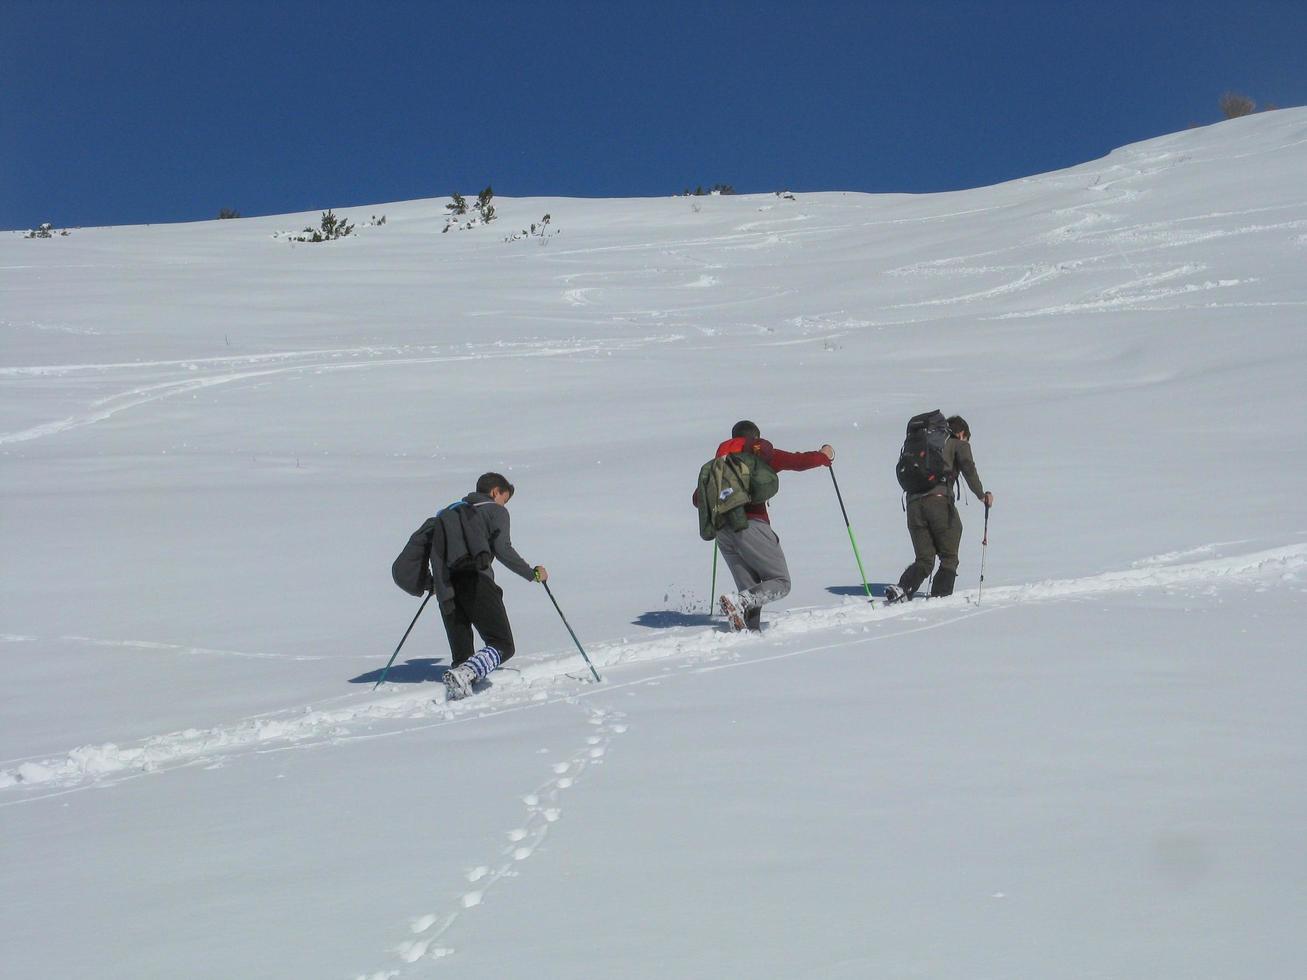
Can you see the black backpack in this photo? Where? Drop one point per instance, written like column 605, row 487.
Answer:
column 412, row 569
column 921, row 461
column 455, row 537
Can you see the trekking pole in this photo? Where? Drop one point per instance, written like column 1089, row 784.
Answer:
column 401, row 642
column 569, row 629
column 713, row 591
column 852, row 540
column 984, row 547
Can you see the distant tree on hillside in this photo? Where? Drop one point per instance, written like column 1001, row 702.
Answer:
column 330, row 228
column 483, row 205
column 458, row 208
column 228, row 213
column 1233, row 105
column 714, row 189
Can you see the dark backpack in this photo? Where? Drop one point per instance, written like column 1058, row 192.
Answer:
column 921, row 461
column 455, row 538
column 412, row 569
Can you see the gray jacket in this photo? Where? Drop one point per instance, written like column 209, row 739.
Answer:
column 501, row 544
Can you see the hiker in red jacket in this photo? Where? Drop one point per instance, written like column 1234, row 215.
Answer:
column 754, row 554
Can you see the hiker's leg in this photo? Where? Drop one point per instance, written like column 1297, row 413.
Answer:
column 923, row 544
column 491, row 619
column 946, row 528
column 458, row 625
column 728, row 543
column 761, row 550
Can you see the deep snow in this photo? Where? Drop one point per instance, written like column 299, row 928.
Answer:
column 214, row 442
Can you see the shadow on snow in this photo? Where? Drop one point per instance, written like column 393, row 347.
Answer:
column 877, row 589
column 661, row 619
column 409, row 672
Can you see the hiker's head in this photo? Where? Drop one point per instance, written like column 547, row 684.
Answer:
column 958, row 426
column 744, row 429
column 495, row 486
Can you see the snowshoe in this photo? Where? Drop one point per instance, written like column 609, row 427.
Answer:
column 458, row 682
column 734, row 609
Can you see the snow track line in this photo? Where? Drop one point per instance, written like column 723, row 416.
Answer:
column 156, row 646
column 89, row 765
column 232, row 359
column 104, row 408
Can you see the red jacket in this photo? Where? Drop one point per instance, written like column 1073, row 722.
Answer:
column 777, row 459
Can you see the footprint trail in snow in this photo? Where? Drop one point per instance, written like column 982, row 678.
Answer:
column 543, row 810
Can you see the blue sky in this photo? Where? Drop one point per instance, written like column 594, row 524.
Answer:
column 131, row 112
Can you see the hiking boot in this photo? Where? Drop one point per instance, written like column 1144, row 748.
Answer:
column 734, row 609
column 943, row 584
column 458, row 682
column 894, row 594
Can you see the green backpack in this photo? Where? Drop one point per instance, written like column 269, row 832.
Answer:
column 727, row 484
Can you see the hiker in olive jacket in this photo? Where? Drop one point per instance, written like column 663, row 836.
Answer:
column 934, row 523
column 477, row 600
column 753, row 554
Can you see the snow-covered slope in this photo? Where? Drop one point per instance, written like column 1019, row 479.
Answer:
column 213, row 442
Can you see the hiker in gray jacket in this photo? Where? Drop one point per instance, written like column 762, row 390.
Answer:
column 477, row 601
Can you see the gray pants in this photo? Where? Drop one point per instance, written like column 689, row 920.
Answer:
column 757, row 563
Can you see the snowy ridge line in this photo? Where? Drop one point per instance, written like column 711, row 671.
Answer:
column 102, row 408
column 291, row 729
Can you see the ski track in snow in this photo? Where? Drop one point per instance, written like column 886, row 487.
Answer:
column 154, row 645
column 1094, row 222
column 365, row 358
column 549, row 680
column 543, row 809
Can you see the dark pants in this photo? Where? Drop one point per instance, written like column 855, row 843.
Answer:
column 478, row 602
column 936, row 529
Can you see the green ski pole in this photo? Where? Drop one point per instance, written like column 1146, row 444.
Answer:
column 852, row 540
column 712, row 592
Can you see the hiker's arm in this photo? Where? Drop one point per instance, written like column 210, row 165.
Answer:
column 781, row 460
column 502, row 545
column 966, row 465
